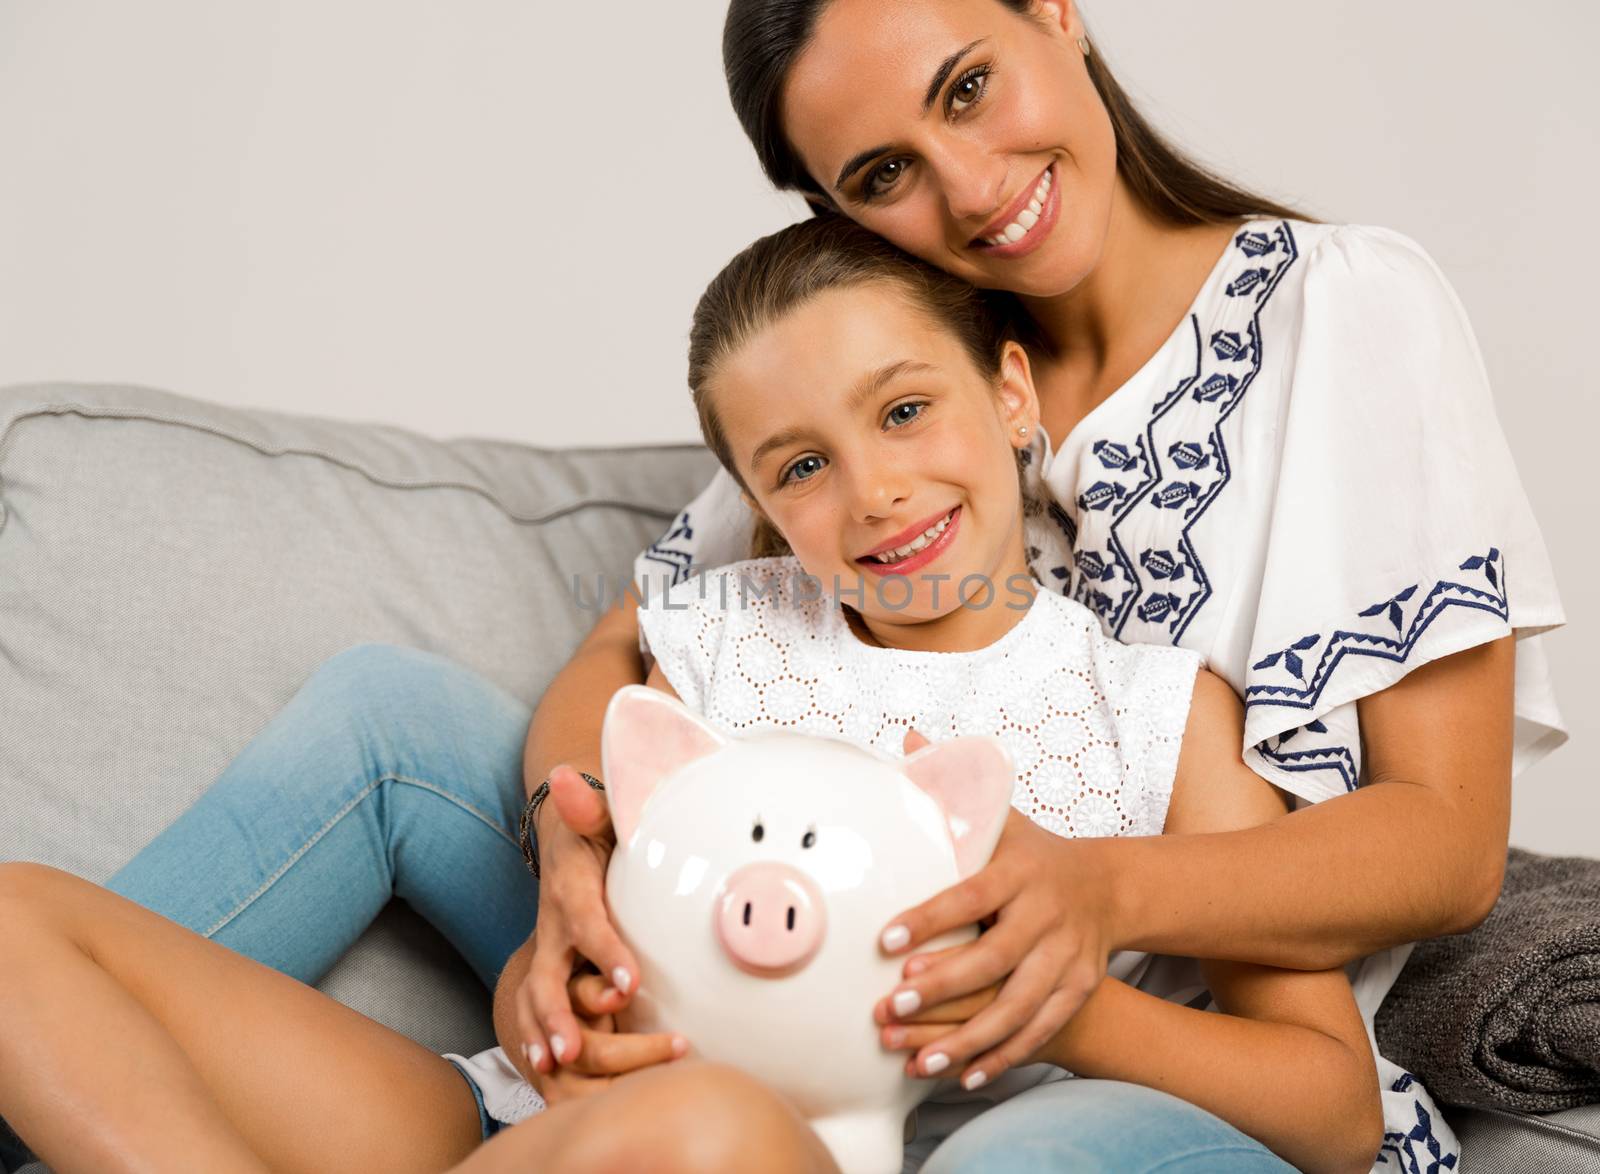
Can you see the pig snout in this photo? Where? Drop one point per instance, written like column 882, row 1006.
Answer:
column 770, row 919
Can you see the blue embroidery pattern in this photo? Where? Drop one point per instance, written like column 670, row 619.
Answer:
column 1164, row 584
column 679, row 560
column 1311, row 670
column 1389, row 613
column 1337, row 759
column 1432, row 1158
column 1063, row 521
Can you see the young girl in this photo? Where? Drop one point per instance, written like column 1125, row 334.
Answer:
column 877, row 417
column 888, row 461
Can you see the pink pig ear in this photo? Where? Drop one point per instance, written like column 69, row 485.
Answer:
column 647, row 736
column 971, row 780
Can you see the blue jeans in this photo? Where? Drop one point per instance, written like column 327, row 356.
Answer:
column 391, row 773
column 1095, row 1127
column 398, row 773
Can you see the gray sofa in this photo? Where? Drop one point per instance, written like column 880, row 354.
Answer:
column 171, row 571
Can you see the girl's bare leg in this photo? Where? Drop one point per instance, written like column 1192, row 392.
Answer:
column 130, row 1043
column 691, row 1117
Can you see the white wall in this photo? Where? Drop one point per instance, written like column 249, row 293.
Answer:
column 492, row 217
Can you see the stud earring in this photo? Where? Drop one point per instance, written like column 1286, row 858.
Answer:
column 1083, row 46
column 1022, row 430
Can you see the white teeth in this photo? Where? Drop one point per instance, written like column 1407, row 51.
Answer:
column 916, row 544
column 1026, row 219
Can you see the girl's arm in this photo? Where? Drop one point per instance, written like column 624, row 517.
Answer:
column 1288, row 1060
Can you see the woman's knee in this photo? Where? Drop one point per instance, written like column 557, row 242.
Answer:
column 1100, row 1124
column 385, row 680
column 702, row 1117
column 412, row 713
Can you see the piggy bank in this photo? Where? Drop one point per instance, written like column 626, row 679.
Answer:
column 752, row 878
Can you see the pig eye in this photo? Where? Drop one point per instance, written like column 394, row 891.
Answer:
column 757, row 832
column 809, row 839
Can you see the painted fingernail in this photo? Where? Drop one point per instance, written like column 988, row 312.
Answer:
column 895, row 938
column 680, row 1047
column 621, row 979
column 557, row 1046
column 936, row 1063
column 894, row 1037
column 535, row 1054
column 906, row 1003
column 915, row 967
column 974, row 1080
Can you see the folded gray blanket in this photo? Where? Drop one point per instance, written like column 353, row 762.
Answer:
column 1508, row 1016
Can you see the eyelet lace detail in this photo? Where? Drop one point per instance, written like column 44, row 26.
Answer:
column 1093, row 726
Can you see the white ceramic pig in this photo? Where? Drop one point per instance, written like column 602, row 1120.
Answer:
column 752, row 878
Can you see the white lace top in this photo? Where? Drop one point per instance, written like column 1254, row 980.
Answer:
column 1093, row 726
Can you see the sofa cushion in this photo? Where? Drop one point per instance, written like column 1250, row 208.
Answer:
column 172, row 571
column 1494, row 1141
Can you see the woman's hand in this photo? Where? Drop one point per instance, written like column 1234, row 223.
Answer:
column 929, row 1024
column 1047, row 947
column 605, row 1053
column 575, row 844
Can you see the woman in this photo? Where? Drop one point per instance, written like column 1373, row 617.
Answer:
column 1253, row 439
column 1111, row 286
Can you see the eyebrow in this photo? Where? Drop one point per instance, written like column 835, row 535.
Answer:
column 860, row 394
column 859, row 160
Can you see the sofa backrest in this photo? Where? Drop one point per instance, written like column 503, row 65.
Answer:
column 171, row 571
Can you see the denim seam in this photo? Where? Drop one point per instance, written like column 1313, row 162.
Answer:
column 365, row 794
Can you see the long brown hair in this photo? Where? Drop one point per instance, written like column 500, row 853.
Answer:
column 762, row 38
column 780, row 272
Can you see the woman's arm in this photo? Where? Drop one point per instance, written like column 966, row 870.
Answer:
column 566, row 725
column 1417, row 852
column 1288, row 1060
column 534, row 1021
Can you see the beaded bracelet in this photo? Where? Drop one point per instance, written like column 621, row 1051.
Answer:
column 530, row 853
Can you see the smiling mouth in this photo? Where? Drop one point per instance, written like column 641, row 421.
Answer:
column 1027, row 218
column 900, row 553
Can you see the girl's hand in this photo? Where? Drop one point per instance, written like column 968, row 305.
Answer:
column 605, row 1053
column 575, row 845
column 1048, row 947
